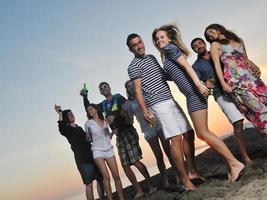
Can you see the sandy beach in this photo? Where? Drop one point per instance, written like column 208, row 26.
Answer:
column 252, row 184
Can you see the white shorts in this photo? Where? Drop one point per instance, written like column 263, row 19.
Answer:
column 230, row 110
column 102, row 154
column 172, row 118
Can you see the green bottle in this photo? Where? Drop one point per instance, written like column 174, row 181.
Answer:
column 85, row 88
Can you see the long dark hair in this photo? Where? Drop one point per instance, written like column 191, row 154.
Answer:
column 65, row 118
column 100, row 114
column 230, row 35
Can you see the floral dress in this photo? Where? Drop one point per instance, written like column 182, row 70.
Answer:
column 249, row 93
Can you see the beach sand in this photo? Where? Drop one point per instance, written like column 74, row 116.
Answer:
column 251, row 185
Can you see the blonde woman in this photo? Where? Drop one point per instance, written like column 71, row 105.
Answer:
column 167, row 40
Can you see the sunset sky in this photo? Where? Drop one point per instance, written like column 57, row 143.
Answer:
column 50, row 48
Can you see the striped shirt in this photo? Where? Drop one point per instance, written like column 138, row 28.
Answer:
column 195, row 101
column 177, row 73
column 154, row 84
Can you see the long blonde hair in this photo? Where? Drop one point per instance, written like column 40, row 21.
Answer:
column 174, row 34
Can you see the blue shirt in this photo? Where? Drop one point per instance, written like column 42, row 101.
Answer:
column 205, row 70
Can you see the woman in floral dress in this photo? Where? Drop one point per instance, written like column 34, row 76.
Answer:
column 239, row 76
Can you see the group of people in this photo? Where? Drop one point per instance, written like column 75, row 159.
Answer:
column 225, row 70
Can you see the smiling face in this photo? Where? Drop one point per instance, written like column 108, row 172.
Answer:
column 105, row 89
column 212, row 34
column 137, row 46
column 199, row 47
column 91, row 111
column 162, row 39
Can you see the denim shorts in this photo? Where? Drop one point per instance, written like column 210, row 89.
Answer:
column 89, row 172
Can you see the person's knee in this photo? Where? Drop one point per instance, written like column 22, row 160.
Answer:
column 106, row 177
column 201, row 135
column 176, row 139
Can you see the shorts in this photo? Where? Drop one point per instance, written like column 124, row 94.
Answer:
column 89, row 172
column 172, row 118
column 128, row 146
column 150, row 132
column 230, row 110
column 103, row 154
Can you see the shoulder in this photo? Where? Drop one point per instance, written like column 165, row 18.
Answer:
column 88, row 122
column 196, row 64
column 151, row 56
column 215, row 44
column 119, row 96
column 171, row 47
column 172, row 50
column 134, row 63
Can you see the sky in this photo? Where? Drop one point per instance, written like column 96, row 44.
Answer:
column 50, row 48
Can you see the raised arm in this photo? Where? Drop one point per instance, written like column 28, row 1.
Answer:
column 140, row 100
column 86, row 102
column 215, row 52
column 182, row 61
column 62, row 127
column 59, row 112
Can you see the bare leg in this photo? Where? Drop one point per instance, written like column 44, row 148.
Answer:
column 177, row 155
column 89, row 191
column 155, row 146
column 189, row 152
column 143, row 170
column 199, row 119
column 100, row 162
column 115, row 174
column 167, row 149
column 100, row 189
column 129, row 173
column 240, row 143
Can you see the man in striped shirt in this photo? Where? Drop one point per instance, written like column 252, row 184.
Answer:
column 150, row 83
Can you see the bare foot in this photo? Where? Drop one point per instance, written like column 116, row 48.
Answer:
column 138, row 195
column 235, row 171
column 196, row 176
column 188, row 185
column 152, row 189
